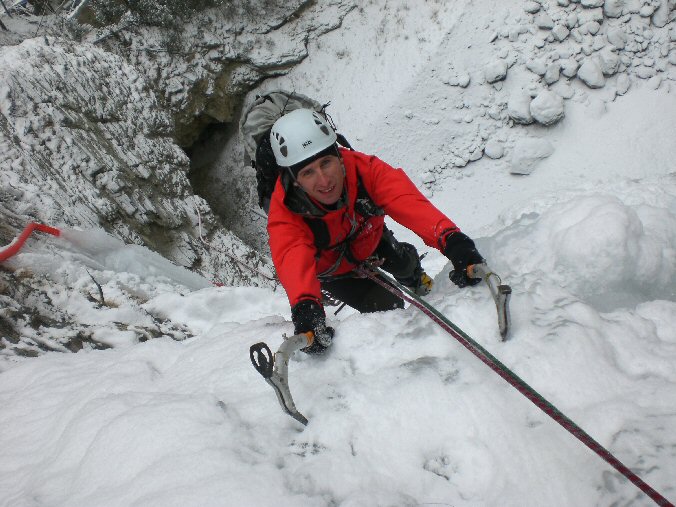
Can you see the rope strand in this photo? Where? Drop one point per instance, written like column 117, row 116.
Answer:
column 208, row 246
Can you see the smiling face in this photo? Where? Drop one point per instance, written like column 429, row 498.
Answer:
column 323, row 179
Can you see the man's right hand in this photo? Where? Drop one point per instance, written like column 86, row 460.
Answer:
column 308, row 315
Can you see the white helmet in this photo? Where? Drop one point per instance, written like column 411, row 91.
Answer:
column 299, row 135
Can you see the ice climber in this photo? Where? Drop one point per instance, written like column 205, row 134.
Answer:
column 327, row 215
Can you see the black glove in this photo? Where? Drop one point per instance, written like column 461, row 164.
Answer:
column 308, row 315
column 462, row 253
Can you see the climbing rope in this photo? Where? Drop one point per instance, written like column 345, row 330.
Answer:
column 207, row 246
column 15, row 246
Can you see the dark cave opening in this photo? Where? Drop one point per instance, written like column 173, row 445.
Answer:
column 222, row 175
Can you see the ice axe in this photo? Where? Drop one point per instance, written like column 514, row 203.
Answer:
column 500, row 292
column 275, row 369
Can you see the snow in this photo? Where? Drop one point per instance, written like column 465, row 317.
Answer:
column 400, row 413
column 527, row 153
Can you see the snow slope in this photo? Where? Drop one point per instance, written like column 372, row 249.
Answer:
column 400, row 414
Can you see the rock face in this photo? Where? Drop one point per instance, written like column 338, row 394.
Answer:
column 83, row 143
column 203, row 71
column 91, row 135
column 202, row 74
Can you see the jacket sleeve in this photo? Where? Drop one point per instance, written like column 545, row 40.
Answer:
column 293, row 254
column 392, row 189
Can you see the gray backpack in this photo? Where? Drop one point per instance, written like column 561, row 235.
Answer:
column 255, row 125
column 265, row 110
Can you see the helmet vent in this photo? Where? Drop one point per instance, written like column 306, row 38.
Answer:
column 283, row 149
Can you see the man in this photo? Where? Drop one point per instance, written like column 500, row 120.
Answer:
column 326, row 216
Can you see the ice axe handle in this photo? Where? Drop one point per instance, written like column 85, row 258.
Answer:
column 501, row 294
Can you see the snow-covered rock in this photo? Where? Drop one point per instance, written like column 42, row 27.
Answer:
column 571, row 20
column 645, row 72
column 592, row 27
column 569, row 67
column 614, row 8
column 92, row 300
column 496, row 71
column 537, row 66
column 527, row 153
column 531, row 7
column 622, row 84
column 655, row 82
column 591, row 14
column 553, row 73
column 609, row 61
column 547, row 108
column 494, row 149
column 592, row 3
column 660, row 16
column 544, row 21
column 646, row 10
column 590, row 74
column 617, row 37
column 214, row 60
column 672, row 57
column 560, row 32
column 518, row 107
column 461, row 79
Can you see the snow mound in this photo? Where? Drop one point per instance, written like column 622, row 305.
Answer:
column 613, row 251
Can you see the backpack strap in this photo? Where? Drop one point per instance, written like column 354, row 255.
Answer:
column 342, row 140
column 320, row 231
column 364, row 205
column 267, row 172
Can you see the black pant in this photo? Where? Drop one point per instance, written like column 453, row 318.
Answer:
column 365, row 295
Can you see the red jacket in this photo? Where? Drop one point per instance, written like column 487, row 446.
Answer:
column 292, row 241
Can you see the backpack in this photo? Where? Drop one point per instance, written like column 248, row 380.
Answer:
column 255, row 125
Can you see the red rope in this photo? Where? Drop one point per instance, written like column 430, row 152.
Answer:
column 16, row 245
column 515, row 381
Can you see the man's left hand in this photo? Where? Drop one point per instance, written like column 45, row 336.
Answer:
column 462, row 252
column 308, row 315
